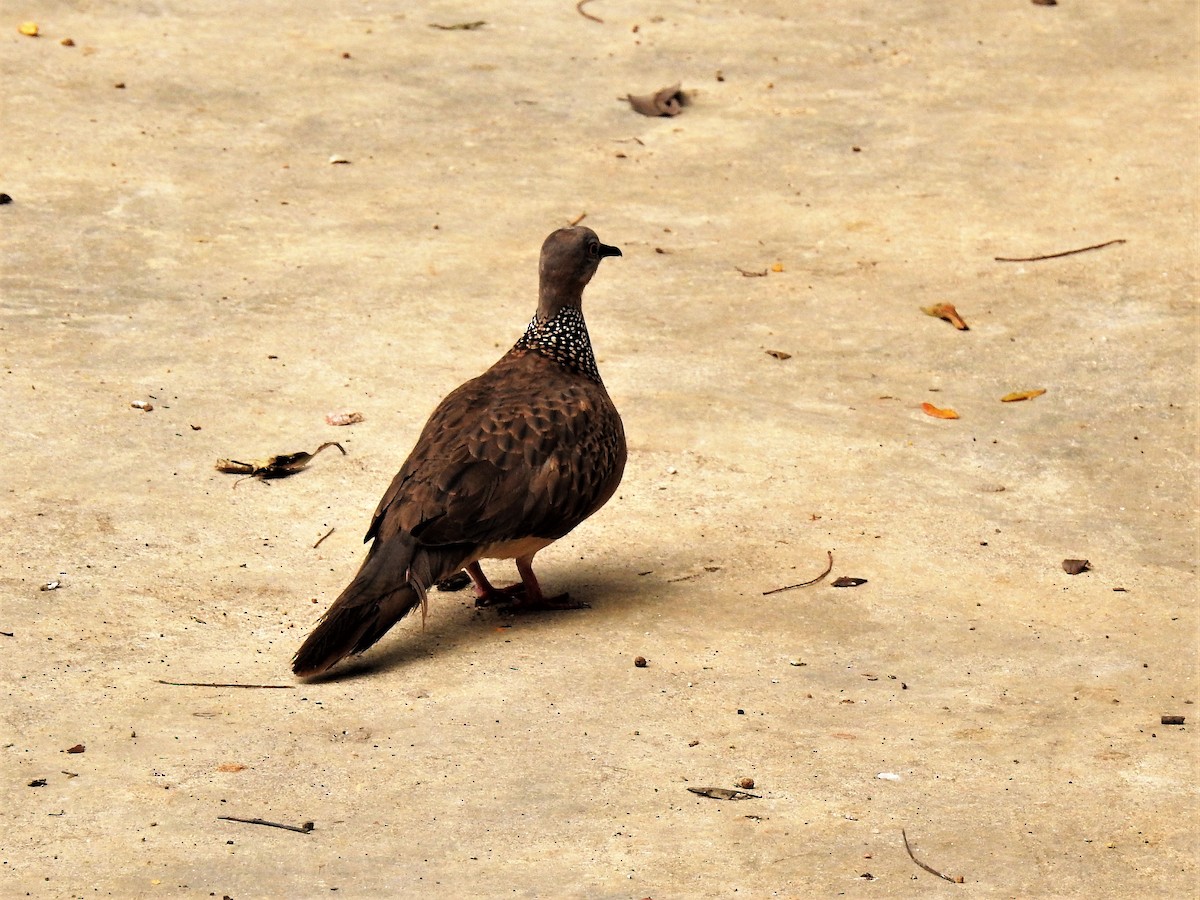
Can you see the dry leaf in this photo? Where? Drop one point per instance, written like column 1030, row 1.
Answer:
column 1075, row 566
column 718, row 793
column 343, row 418
column 29, row 29
column 778, row 354
column 230, row 767
column 667, row 102
column 274, row 466
column 948, row 312
column 1022, row 395
column 78, row 748
column 930, row 410
column 847, row 581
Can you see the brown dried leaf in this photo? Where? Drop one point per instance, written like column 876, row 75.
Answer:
column 667, row 102
column 930, row 410
column 231, row 767
column 948, row 312
column 345, row 417
column 1022, row 395
column 78, row 748
column 274, row 466
column 1075, row 566
column 779, row 354
column 719, row 793
column 847, row 581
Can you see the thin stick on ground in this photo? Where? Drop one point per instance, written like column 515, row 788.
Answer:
column 811, row 581
column 587, row 15
column 306, row 828
column 1057, row 255
column 322, row 538
column 215, row 684
column 579, row 218
column 953, row 879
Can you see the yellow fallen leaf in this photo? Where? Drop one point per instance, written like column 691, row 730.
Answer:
column 948, row 312
column 29, row 29
column 1022, row 395
column 930, row 410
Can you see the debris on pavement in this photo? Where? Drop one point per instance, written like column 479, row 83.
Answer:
column 947, row 312
column 668, row 101
column 273, row 466
column 718, row 793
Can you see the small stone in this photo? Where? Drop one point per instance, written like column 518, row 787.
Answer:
column 640, row 662
column 745, row 783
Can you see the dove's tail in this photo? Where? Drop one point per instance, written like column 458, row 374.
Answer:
column 377, row 598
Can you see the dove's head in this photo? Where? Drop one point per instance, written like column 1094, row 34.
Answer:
column 570, row 257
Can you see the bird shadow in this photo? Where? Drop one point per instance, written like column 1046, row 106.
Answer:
column 610, row 592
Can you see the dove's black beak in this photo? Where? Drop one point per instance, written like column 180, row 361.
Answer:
column 606, row 250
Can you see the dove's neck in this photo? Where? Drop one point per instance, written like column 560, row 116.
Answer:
column 562, row 337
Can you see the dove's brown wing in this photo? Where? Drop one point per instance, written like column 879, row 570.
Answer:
column 524, row 450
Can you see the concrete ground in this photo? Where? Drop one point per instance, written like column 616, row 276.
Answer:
column 178, row 234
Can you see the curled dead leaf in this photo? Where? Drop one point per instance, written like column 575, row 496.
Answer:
column 948, row 312
column 778, row 354
column 1075, row 566
column 937, row 412
column 847, row 581
column 666, row 102
column 1022, row 395
column 274, row 466
column 719, row 793
column 345, row 417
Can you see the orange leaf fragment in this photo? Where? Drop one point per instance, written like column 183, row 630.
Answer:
column 230, row 767
column 1022, row 395
column 778, row 267
column 930, row 410
column 948, row 312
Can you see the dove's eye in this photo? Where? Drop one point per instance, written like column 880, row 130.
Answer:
column 593, row 250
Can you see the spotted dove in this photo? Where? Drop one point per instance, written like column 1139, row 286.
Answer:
column 507, row 464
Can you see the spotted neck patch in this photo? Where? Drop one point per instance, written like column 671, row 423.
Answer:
column 564, row 339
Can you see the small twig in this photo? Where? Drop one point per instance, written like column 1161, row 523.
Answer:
column 953, row 879
column 587, row 15
column 7, row 633
column 322, row 538
column 579, row 218
column 1057, row 255
column 306, row 828
column 213, row 684
column 748, row 274
column 811, row 581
